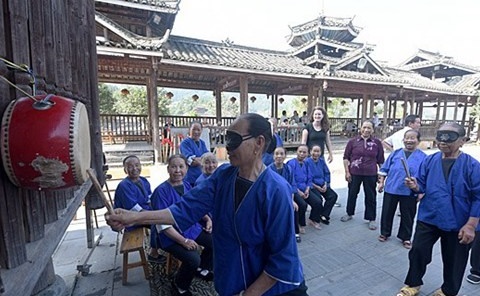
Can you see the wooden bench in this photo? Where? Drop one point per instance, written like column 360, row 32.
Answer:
column 132, row 241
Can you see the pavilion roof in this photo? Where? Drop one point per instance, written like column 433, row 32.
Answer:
column 425, row 59
column 166, row 6
column 335, row 28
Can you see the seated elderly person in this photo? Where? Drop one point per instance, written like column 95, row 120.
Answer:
column 133, row 193
column 209, row 165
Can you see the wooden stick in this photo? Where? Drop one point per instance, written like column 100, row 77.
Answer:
column 405, row 167
column 97, row 186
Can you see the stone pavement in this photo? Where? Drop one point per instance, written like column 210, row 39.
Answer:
column 344, row 258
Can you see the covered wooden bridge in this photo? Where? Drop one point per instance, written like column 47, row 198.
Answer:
column 135, row 46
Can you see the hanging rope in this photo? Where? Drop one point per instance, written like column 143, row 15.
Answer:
column 23, row 68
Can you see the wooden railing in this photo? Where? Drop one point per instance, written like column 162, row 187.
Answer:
column 126, row 128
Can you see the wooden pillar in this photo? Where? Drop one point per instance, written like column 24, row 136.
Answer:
column 311, row 98
column 364, row 106
column 385, row 112
column 218, row 104
column 405, row 106
column 320, row 99
column 394, row 117
column 437, row 115
column 464, row 114
column 359, row 112
column 412, row 104
column 243, row 95
column 152, row 94
column 420, row 109
column 273, row 110
column 455, row 110
column 444, row 115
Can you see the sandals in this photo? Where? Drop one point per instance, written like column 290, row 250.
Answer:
column 382, row 238
column 409, row 291
column 407, row 244
column 372, row 225
column 346, row 218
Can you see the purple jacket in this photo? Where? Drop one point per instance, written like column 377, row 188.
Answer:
column 365, row 156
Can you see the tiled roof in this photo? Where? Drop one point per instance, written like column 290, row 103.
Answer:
column 134, row 41
column 168, row 6
column 470, row 82
column 432, row 59
column 235, row 56
column 219, row 54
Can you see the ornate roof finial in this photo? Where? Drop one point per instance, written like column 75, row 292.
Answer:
column 228, row 42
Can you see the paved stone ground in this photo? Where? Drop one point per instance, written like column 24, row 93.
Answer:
column 341, row 259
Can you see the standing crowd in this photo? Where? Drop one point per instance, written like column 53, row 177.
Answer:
column 248, row 216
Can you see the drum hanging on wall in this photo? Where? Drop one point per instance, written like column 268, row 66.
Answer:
column 45, row 144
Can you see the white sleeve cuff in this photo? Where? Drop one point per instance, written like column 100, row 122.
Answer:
column 162, row 227
column 190, row 159
column 136, row 208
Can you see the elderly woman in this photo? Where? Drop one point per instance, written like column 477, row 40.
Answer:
column 193, row 148
column 362, row 158
column 255, row 252
column 209, row 164
column 391, row 180
column 449, row 211
column 184, row 244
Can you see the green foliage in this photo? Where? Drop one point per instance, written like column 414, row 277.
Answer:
column 112, row 101
column 106, row 99
column 183, row 104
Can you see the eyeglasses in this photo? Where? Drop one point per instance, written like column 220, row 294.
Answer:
column 447, row 136
column 233, row 140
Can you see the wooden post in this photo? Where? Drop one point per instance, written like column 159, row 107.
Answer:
column 437, row 115
column 444, row 115
column 364, row 106
column 153, row 97
column 455, row 110
column 311, row 98
column 385, row 113
column 243, row 95
column 320, row 101
column 218, row 104
column 273, row 111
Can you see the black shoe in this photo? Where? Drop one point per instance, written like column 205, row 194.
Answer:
column 324, row 220
column 298, row 238
column 208, row 277
column 177, row 293
column 473, row 279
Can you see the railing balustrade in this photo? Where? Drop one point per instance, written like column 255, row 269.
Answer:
column 121, row 128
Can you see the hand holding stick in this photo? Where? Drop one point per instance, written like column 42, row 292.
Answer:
column 97, row 186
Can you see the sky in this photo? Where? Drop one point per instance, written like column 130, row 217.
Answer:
column 397, row 28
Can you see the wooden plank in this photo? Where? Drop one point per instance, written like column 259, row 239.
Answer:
column 49, row 43
column 37, row 39
column 34, row 219
column 12, row 225
column 49, row 206
column 22, row 280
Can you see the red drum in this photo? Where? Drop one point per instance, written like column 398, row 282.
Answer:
column 46, row 145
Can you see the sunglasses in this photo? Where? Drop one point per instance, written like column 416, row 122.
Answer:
column 233, row 140
column 447, row 136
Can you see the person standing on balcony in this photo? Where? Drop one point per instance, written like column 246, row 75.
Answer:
column 318, row 132
column 193, row 148
column 395, row 141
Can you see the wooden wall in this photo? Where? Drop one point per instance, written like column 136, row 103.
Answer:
column 57, row 39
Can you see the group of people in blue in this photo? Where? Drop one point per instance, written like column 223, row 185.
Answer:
column 233, row 211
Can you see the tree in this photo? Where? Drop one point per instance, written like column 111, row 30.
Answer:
column 106, row 99
column 132, row 101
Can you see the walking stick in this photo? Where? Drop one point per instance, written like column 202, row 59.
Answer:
column 97, row 186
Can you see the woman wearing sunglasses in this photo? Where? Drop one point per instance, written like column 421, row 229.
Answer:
column 449, row 211
column 255, row 252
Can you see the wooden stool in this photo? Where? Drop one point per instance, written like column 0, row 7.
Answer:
column 133, row 241
column 172, row 264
